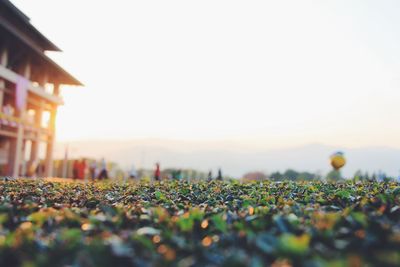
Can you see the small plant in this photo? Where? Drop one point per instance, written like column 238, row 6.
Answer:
column 180, row 223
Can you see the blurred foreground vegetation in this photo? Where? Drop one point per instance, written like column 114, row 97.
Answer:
column 179, row 223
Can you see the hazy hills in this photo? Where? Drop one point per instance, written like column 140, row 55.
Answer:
column 233, row 158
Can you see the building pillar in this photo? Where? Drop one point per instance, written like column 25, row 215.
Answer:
column 3, row 62
column 19, row 146
column 34, row 157
column 52, row 137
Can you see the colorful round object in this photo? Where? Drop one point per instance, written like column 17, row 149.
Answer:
column 338, row 160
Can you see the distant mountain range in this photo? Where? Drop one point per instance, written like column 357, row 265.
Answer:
column 234, row 159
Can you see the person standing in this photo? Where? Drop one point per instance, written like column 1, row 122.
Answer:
column 174, row 174
column 157, row 172
column 82, row 169
column 179, row 175
column 133, row 172
column 103, row 171
column 209, row 178
column 92, row 170
column 219, row 177
column 75, row 169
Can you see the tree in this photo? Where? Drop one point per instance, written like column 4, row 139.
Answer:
column 290, row 174
column 306, row 176
column 276, row 176
column 334, row 175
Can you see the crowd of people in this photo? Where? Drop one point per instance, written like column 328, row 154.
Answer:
column 81, row 168
column 97, row 170
column 178, row 175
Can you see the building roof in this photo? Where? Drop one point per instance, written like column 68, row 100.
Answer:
column 18, row 25
column 24, row 20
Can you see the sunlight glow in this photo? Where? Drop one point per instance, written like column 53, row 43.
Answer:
column 275, row 73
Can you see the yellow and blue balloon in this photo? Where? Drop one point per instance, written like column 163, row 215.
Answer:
column 338, row 160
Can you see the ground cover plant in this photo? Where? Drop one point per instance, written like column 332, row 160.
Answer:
column 52, row 223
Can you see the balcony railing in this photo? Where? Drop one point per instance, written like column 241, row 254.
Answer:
column 14, row 122
column 13, row 77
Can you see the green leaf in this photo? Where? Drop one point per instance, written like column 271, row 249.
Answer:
column 294, row 245
column 159, row 195
column 219, row 223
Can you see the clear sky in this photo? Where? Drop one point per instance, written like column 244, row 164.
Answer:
column 274, row 73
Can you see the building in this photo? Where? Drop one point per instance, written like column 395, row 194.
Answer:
column 29, row 95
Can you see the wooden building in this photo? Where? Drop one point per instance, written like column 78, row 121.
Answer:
column 29, row 95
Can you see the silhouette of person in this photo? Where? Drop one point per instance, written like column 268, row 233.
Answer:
column 82, row 169
column 103, row 172
column 219, row 177
column 133, row 172
column 179, row 174
column 157, row 172
column 92, row 170
column 209, row 178
column 75, row 169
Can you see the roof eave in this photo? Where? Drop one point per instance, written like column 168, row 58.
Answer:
column 49, row 45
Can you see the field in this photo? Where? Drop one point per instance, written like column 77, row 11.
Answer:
column 51, row 223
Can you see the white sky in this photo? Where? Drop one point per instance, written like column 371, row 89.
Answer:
column 275, row 73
